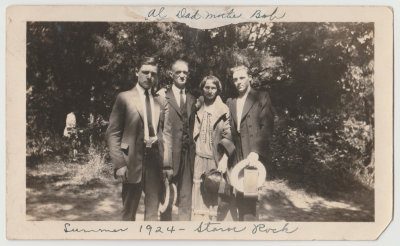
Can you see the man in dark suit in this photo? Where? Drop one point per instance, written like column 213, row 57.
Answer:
column 251, row 126
column 178, row 140
column 134, row 139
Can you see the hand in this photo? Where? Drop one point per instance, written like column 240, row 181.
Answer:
column 252, row 158
column 199, row 102
column 167, row 174
column 223, row 164
column 122, row 174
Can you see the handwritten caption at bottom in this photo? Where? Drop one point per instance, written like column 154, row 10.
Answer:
column 202, row 227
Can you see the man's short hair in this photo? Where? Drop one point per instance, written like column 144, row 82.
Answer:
column 240, row 67
column 214, row 80
column 148, row 60
column 239, row 59
column 179, row 60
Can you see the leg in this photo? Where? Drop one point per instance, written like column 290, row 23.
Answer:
column 213, row 212
column 227, row 210
column 199, row 209
column 184, row 188
column 247, row 207
column 152, row 184
column 130, row 199
column 167, row 215
column 204, row 205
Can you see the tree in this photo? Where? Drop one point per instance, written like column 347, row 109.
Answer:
column 319, row 76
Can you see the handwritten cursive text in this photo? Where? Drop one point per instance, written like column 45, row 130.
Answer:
column 215, row 227
column 68, row 229
column 263, row 228
column 231, row 14
column 157, row 14
column 258, row 14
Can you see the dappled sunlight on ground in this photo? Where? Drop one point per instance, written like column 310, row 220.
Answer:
column 61, row 192
column 54, row 192
column 279, row 202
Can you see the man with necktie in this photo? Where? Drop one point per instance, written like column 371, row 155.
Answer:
column 135, row 141
column 178, row 140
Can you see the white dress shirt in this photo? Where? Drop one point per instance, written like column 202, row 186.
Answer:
column 177, row 94
column 239, row 108
column 143, row 101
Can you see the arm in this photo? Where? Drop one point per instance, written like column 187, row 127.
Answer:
column 114, row 133
column 167, row 142
column 266, row 122
column 226, row 140
column 223, row 164
column 167, row 138
column 226, row 144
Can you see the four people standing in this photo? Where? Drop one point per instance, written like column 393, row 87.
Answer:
column 168, row 135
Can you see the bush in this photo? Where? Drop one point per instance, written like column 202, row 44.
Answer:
column 324, row 155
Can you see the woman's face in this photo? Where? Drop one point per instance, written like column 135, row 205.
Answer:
column 210, row 90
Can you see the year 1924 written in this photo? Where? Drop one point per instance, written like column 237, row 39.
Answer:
column 149, row 229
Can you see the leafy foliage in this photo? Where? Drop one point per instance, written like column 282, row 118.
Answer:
column 319, row 76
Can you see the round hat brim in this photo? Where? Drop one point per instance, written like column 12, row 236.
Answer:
column 238, row 184
column 168, row 202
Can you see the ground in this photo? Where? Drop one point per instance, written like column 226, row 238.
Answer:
column 65, row 191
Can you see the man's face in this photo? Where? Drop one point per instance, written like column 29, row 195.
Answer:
column 241, row 80
column 210, row 90
column 179, row 74
column 147, row 76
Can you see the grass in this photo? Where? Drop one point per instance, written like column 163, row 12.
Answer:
column 86, row 191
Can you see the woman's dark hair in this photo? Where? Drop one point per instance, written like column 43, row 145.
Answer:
column 214, row 80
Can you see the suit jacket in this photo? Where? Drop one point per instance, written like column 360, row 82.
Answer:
column 125, row 133
column 255, row 128
column 173, row 128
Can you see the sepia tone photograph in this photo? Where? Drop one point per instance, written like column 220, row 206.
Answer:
column 292, row 100
column 239, row 127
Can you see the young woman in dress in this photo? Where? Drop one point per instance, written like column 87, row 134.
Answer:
column 212, row 135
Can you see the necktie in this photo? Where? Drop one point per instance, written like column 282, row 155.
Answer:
column 182, row 102
column 149, row 114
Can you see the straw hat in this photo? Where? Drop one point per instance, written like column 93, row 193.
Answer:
column 170, row 195
column 237, row 174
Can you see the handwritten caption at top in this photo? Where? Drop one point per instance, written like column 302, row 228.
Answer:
column 197, row 14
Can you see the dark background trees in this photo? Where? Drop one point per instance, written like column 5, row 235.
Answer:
column 319, row 76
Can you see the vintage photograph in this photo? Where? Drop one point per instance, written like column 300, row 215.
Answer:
column 199, row 123
column 161, row 121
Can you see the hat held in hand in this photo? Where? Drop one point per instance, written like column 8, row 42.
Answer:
column 248, row 179
column 169, row 196
column 213, row 182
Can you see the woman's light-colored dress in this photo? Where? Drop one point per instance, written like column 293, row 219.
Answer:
column 212, row 135
column 204, row 206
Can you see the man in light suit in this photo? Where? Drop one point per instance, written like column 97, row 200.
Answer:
column 251, row 126
column 135, row 142
column 178, row 139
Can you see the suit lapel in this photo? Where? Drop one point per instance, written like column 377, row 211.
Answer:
column 250, row 100
column 234, row 111
column 189, row 103
column 157, row 106
column 196, row 130
column 138, row 104
column 171, row 99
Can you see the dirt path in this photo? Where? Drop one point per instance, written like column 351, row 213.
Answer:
column 59, row 192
